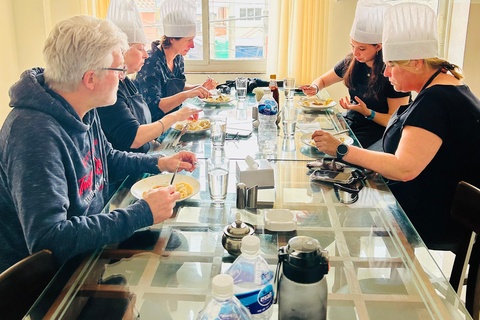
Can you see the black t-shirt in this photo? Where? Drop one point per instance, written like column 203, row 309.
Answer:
column 366, row 131
column 120, row 122
column 453, row 114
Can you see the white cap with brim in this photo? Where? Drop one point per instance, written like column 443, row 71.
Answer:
column 410, row 32
column 368, row 23
column 124, row 14
column 178, row 18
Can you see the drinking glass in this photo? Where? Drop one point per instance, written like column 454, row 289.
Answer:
column 289, row 120
column 289, row 87
column 218, row 125
column 289, row 144
column 241, row 84
column 217, row 172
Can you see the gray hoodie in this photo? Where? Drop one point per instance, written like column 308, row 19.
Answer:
column 54, row 173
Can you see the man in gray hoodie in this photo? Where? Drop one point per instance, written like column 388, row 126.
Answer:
column 55, row 162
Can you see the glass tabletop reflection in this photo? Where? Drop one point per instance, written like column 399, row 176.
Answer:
column 378, row 264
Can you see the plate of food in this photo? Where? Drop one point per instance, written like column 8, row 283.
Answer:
column 315, row 103
column 186, row 185
column 193, row 126
column 306, row 138
column 218, row 100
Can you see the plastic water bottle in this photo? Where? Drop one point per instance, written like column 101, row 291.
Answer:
column 267, row 130
column 253, row 279
column 224, row 305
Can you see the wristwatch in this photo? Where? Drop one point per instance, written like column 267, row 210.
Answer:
column 371, row 116
column 342, row 150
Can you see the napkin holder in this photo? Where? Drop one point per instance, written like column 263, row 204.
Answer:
column 261, row 175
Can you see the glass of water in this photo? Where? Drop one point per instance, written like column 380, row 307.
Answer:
column 289, row 87
column 241, row 84
column 217, row 172
column 218, row 125
column 289, row 120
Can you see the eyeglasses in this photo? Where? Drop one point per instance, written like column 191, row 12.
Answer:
column 122, row 72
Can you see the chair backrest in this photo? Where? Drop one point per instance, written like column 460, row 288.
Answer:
column 466, row 210
column 22, row 284
column 466, row 206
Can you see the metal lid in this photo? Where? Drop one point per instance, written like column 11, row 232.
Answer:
column 304, row 261
column 305, row 251
column 238, row 228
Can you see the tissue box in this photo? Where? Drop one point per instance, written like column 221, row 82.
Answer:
column 261, row 176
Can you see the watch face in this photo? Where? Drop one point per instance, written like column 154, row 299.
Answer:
column 342, row 149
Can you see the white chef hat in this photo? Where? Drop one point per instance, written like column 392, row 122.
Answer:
column 125, row 15
column 368, row 23
column 410, row 32
column 178, row 18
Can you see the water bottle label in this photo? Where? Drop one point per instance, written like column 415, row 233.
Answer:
column 268, row 108
column 228, row 313
column 257, row 301
column 242, row 273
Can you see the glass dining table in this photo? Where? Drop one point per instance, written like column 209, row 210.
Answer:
column 379, row 266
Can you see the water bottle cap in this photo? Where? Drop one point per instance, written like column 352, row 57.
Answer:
column 273, row 76
column 222, row 286
column 250, row 245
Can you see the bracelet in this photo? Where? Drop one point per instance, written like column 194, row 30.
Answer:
column 313, row 84
column 163, row 126
column 370, row 117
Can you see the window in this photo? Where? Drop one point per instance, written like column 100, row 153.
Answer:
column 231, row 37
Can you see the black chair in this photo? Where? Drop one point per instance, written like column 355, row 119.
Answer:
column 466, row 210
column 22, row 284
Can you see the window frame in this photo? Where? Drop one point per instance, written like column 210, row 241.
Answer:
column 220, row 65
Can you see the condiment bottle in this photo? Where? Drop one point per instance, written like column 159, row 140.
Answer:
column 274, row 87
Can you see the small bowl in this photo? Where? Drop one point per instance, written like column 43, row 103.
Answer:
column 280, row 220
column 233, row 242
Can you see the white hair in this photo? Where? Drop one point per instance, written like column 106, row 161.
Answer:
column 77, row 45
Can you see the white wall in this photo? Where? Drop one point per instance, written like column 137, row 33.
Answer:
column 8, row 56
column 25, row 25
column 471, row 62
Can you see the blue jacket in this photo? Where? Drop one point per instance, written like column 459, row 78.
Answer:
column 54, row 173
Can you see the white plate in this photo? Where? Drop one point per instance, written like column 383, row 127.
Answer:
column 307, row 139
column 146, row 184
column 190, row 131
column 314, row 99
column 218, row 103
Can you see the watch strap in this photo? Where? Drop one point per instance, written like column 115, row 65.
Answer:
column 342, row 150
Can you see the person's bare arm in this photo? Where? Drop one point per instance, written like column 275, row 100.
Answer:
column 380, row 118
column 167, row 104
column 148, row 132
column 416, row 149
column 325, row 80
